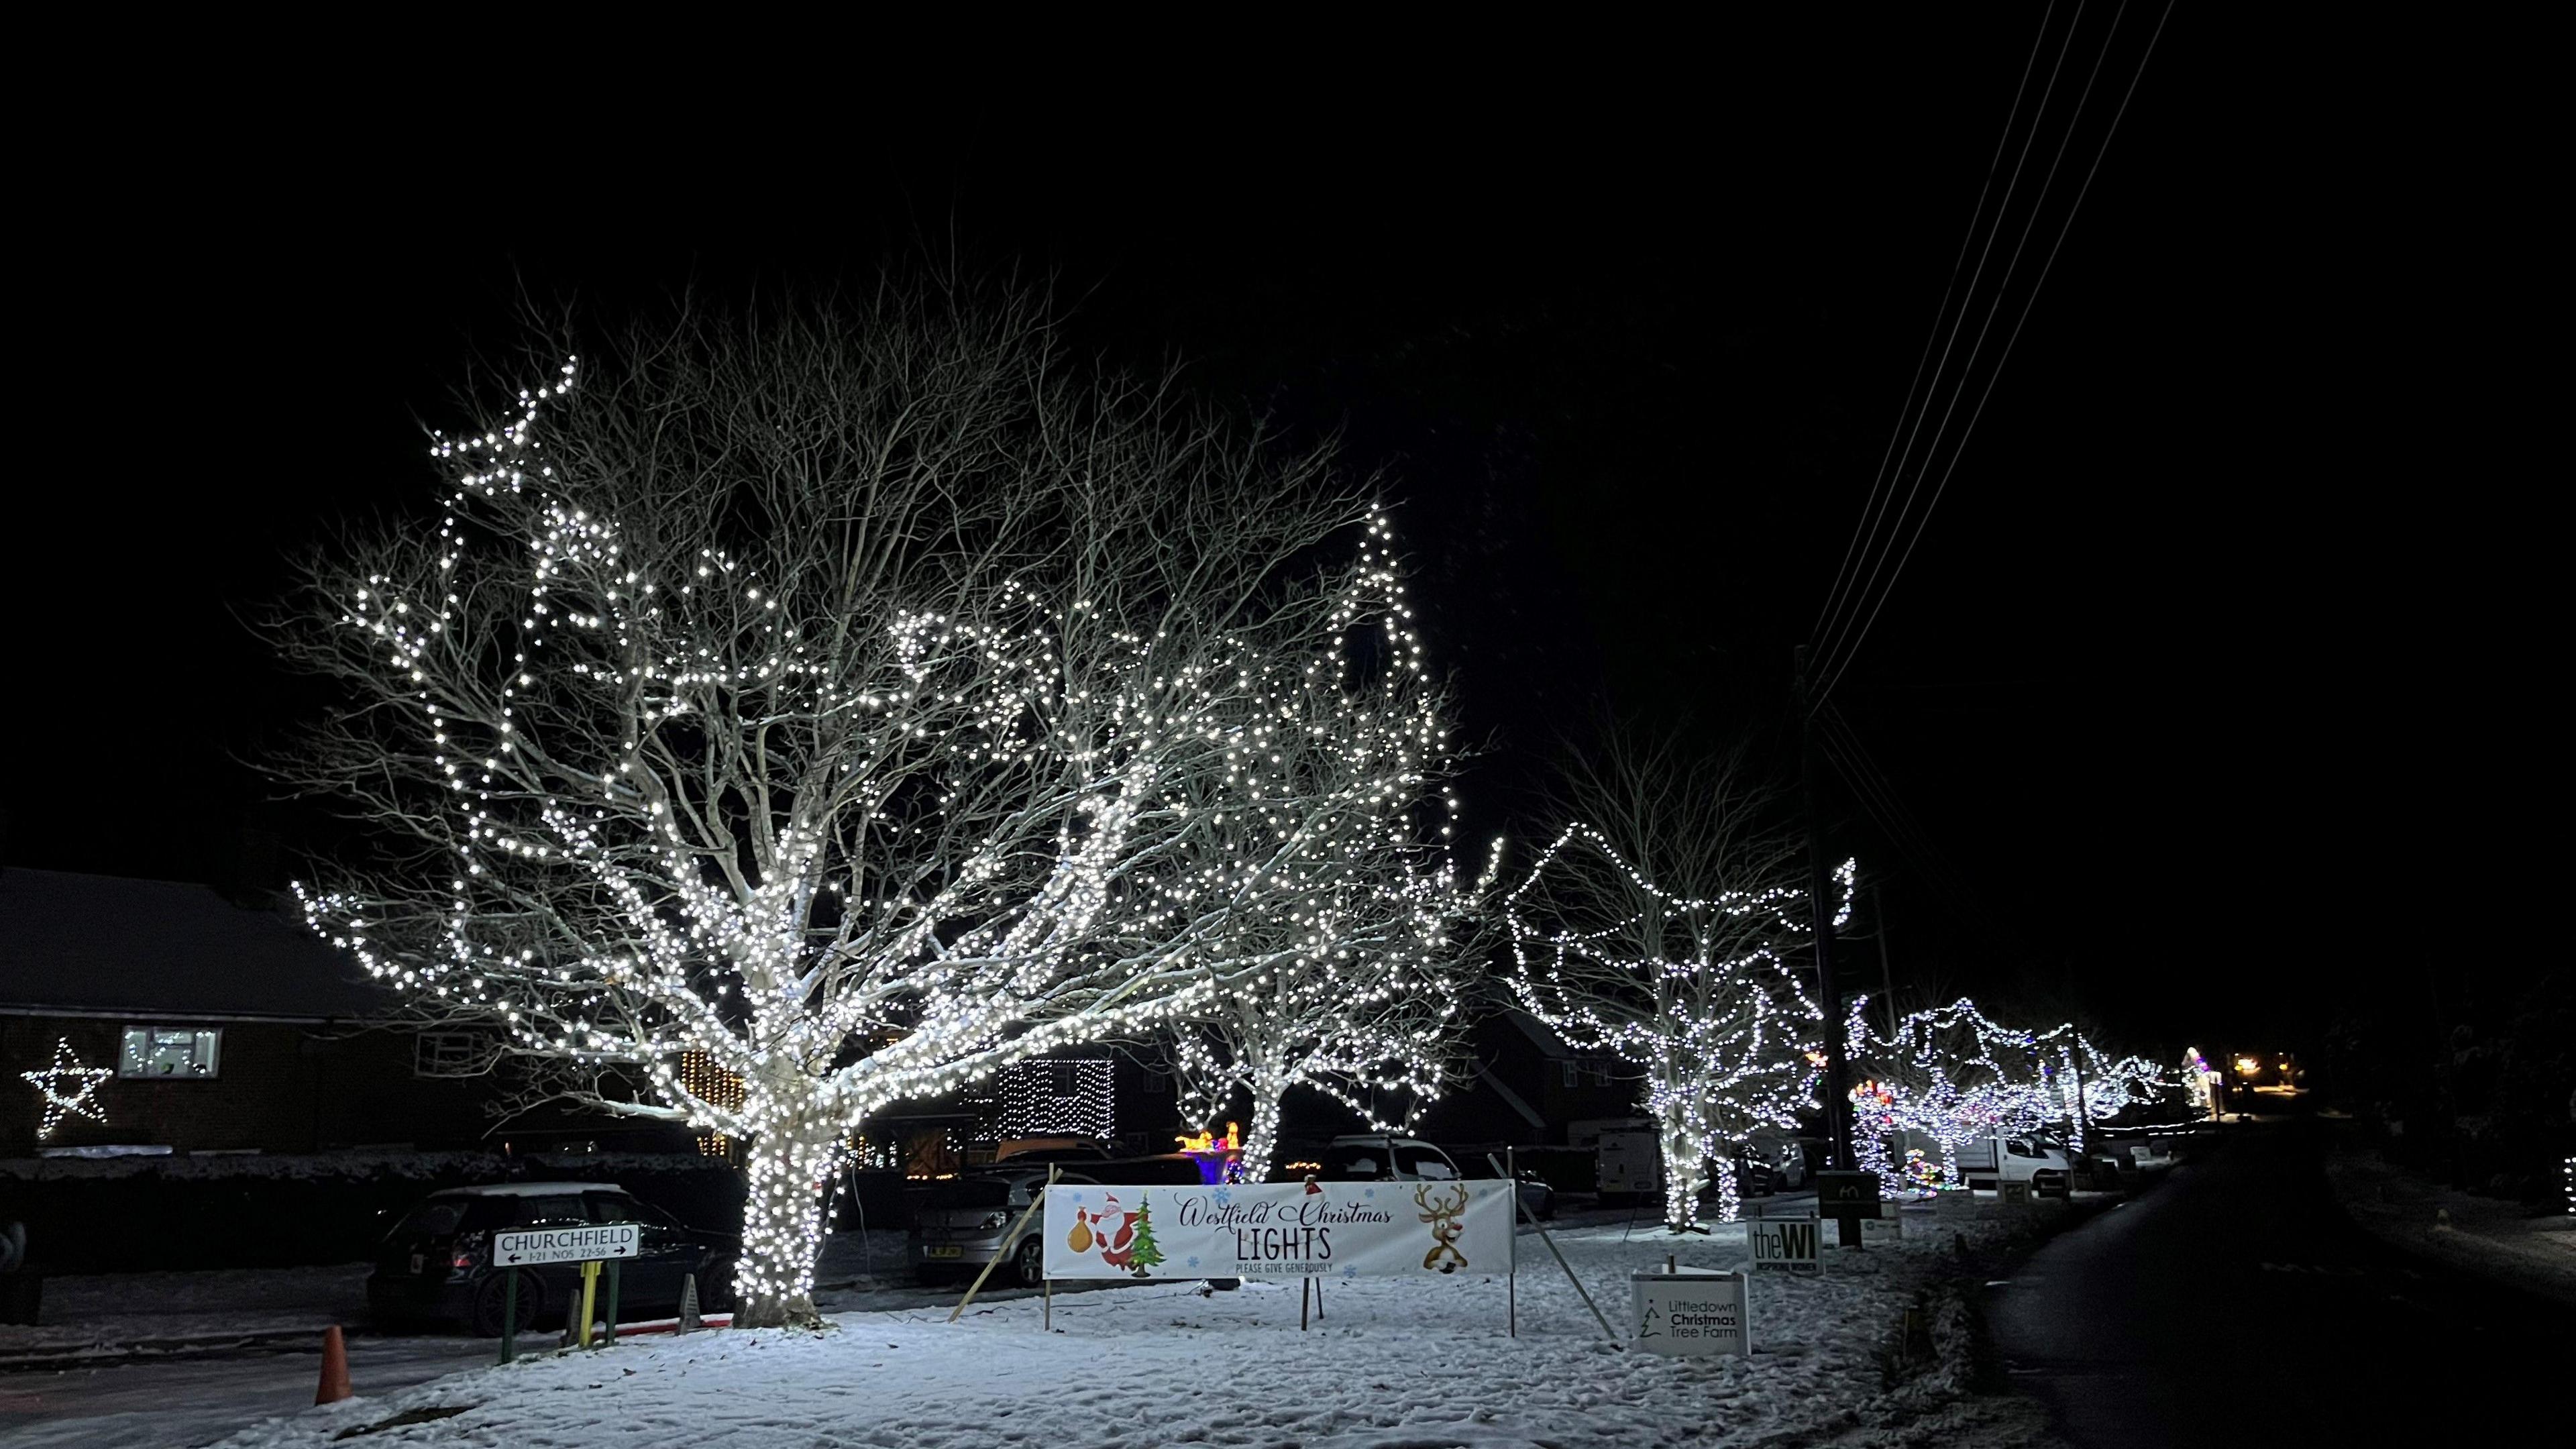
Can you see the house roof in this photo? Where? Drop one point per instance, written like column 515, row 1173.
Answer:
column 96, row 945
column 1550, row 1044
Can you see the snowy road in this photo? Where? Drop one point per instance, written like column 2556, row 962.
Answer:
column 2237, row 1300
column 186, row 1402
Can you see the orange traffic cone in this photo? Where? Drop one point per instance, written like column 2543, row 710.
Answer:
column 335, row 1368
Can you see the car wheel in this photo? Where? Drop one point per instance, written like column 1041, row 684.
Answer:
column 1030, row 1262
column 489, row 1303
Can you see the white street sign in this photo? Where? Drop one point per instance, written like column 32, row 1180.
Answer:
column 1689, row 1312
column 566, row 1245
column 1784, row 1245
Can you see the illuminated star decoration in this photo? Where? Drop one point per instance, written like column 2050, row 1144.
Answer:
column 78, row 1101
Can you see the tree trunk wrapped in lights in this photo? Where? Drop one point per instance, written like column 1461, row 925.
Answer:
column 1955, row 1075
column 851, row 698
column 1657, row 926
column 1367, row 933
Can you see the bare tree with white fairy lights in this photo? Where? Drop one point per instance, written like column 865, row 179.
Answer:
column 849, row 700
column 1658, row 926
column 1953, row 1074
column 1369, row 929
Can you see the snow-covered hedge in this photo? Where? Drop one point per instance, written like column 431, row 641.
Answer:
column 123, row 1214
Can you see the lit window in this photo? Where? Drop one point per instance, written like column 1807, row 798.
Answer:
column 163, row 1051
column 442, row 1053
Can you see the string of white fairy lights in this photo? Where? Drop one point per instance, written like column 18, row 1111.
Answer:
column 68, row 1088
column 1359, row 995
column 1064, row 920
column 1954, row 1074
column 1728, row 1043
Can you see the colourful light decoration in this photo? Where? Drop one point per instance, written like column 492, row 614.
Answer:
column 1219, row 1161
column 1955, row 1075
column 701, row 1078
column 81, row 1098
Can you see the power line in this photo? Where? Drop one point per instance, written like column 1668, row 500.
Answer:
column 1844, row 573
column 1834, row 648
column 1847, row 652
column 2028, row 302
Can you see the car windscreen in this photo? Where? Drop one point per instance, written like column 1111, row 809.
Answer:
column 968, row 1192
column 1363, row 1163
column 435, row 1218
column 550, row 1208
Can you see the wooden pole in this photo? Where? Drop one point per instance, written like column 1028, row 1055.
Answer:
column 589, row 1289
column 1010, row 1240
column 1046, row 1320
column 1305, row 1291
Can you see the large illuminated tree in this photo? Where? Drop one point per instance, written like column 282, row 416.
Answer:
column 1658, row 926
column 1367, row 933
column 1953, row 1074
column 850, row 699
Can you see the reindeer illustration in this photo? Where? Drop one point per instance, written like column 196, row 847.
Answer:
column 1443, row 1217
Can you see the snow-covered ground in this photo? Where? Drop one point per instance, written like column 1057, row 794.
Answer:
column 2503, row 1240
column 1389, row 1363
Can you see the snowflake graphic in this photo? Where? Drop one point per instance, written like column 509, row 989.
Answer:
column 1194, row 1260
column 1350, row 1272
column 1221, row 1196
column 1078, row 1197
column 1368, row 1192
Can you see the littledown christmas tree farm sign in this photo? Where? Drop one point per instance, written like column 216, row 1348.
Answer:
column 1279, row 1230
column 1689, row 1311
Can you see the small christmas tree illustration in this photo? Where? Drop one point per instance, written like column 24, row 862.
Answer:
column 1142, row 1254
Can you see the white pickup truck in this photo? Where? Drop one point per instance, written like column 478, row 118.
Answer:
column 1989, row 1162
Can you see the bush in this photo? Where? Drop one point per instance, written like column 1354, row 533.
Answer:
column 164, row 1213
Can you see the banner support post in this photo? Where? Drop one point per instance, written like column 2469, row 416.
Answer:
column 1584, row 1293
column 1512, row 1279
column 1010, row 1240
column 1305, row 1291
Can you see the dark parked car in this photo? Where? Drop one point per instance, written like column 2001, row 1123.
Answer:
column 436, row 1263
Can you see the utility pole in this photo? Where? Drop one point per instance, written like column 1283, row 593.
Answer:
column 1886, row 971
column 1820, row 905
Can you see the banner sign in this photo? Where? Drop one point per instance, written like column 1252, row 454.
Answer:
column 1784, row 1245
column 1279, row 1230
column 1689, row 1312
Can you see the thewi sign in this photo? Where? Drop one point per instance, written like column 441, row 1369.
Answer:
column 1279, row 1230
column 1783, row 1245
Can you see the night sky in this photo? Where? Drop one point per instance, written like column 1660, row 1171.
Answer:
column 2201, row 685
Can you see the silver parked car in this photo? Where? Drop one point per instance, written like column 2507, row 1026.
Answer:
column 962, row 1222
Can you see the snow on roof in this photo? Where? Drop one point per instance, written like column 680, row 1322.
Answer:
column 93, row 944
column 526, row 1189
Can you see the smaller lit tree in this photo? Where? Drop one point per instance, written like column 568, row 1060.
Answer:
column 1366, row 933
column 1657, row 927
